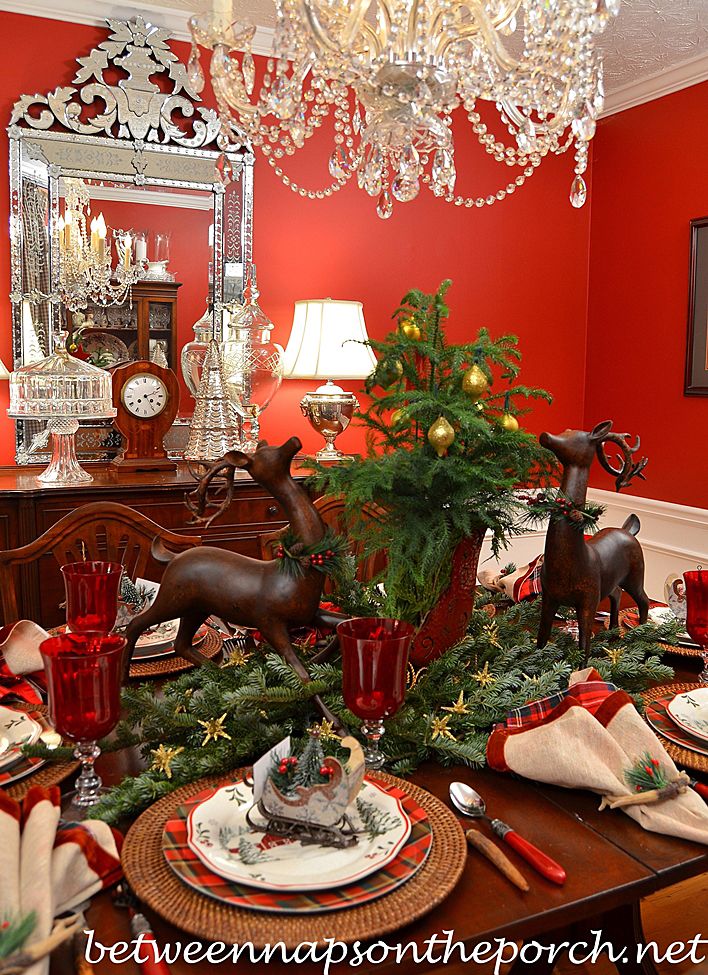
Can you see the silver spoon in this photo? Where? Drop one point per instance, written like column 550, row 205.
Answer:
column 470, row 803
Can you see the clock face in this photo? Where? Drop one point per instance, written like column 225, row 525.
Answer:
column 144, row 395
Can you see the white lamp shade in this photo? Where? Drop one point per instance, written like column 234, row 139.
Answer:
column 4, row 371
column 325, row 342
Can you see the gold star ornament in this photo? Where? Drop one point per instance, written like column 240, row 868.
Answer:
column 439, row 728
column 237, row 658
column 483, row 676
column 324, row 731
column 615, row 654
column 213, row 729
column 459, row 707
column 163, row 758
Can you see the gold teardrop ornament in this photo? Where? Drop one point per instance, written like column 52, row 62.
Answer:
column 509, row 422
column 475, row 383
column 440, row 436
column 398, row 418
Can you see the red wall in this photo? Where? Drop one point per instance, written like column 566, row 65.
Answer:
column 519, row 266
column 649, row 180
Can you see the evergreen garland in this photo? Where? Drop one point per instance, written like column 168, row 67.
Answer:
column 557, row 506
column 646, row 774
column 450, row 706
column 429, row 503
column 324, row 556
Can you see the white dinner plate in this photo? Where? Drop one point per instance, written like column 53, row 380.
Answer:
column 662, row 614
column 19, row 729
column 690, row 711
column 220, row 835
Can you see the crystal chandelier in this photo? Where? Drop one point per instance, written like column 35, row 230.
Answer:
column 86, row 271
column 392, row 72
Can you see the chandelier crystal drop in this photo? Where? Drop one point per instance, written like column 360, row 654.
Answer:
column 391, row 73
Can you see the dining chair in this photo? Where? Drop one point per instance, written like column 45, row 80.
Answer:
column 99, row 531
column 332, row 510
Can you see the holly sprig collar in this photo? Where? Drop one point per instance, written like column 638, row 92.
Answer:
column 557, row 506
column 326, row 556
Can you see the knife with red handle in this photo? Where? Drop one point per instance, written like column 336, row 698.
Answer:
column 701, row 789
column 539, row 860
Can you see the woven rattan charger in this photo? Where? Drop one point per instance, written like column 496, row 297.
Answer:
column 683, row 756
column 157, row 886
column 210, row 647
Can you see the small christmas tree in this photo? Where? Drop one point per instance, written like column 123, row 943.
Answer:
column 309, row 763
column 446, row 451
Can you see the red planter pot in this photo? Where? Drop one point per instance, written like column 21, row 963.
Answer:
column 446, row 624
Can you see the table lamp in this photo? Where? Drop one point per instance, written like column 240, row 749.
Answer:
column 62, row 390
column 326, row 342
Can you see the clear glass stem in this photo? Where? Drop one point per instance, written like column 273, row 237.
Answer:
column 373, row 756
column 64, row 468
column 88, row 784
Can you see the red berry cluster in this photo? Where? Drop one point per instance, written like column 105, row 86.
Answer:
column 280, row 553
column 286, row 764
column 318, row 558
column 326, row 771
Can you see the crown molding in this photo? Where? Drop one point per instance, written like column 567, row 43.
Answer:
column 96, row 12
column 656, row 85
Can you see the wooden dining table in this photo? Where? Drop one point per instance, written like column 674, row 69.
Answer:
column 611, row 864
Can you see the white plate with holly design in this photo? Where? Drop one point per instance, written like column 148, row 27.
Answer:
column 690, row 712
column 221, row 836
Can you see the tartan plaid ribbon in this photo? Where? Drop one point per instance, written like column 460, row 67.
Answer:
column 528, row 585
column 589, row 693
column 19, row 688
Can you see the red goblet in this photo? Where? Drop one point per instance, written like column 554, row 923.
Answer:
column 697, row 613
column 91, row 595
column 84, row 672
column 374, row 662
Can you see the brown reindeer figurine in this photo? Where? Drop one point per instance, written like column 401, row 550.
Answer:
column 244, row 591
column 580, row 573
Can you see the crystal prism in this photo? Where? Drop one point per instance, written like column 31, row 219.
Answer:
column 578, row 192
column 195, row 74
column 443, row 173
column 409, row 163
column 356, row 121
column 584, row 128
column 339, row 164
column 405, row 189
column 384, row 207
column 249, row 72
column 525, row 137
column 224, row 169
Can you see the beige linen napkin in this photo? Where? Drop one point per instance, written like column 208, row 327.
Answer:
column 579, row 748
column 20, row 648
column 50, row 868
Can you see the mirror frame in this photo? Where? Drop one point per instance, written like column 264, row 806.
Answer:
column 143, row 134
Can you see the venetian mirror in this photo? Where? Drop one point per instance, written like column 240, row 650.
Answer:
column 124, row 158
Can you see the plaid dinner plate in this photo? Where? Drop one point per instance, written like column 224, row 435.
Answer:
column 661, row 721
column 190, row 869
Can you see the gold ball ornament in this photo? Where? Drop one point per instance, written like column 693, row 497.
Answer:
column 440, row 436
column 409, row 328
column 509, row 422
column 475, row 383
column 389, row 376
column 398, row 418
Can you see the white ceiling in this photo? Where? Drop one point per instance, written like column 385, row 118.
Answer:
column 654, row 47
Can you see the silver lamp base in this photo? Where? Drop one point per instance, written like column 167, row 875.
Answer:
column 329, row 411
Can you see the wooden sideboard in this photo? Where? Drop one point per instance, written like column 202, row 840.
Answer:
column 28, row 509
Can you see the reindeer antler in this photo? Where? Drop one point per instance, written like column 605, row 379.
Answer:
column 628, row 469
column 199, row 501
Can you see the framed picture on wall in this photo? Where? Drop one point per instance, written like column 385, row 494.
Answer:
column 697, row 343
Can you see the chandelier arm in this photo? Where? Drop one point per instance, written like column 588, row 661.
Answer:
column 356, row 19
column 412, row 25
column 317, row 29
column 485, row 27
column 374, row 37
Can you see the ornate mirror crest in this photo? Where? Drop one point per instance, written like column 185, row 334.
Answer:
column 136, row 107
column 131, row 116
